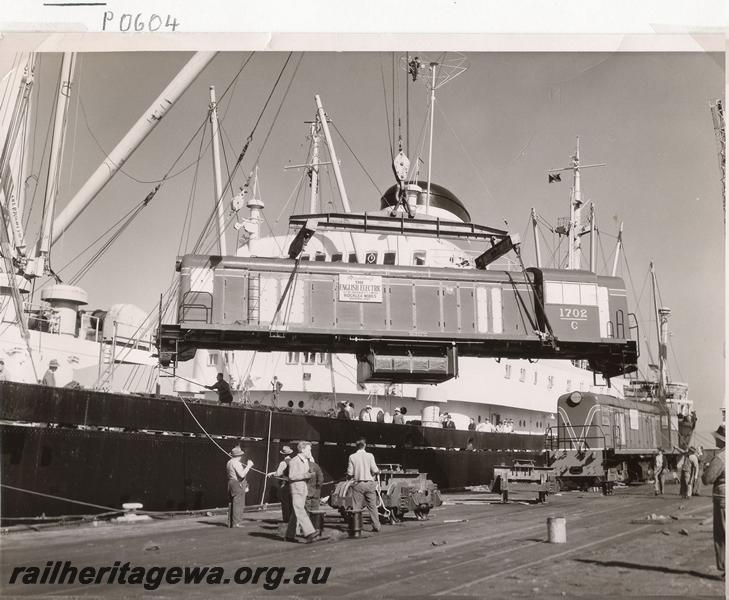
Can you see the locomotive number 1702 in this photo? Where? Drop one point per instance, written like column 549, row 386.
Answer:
column 573, row 313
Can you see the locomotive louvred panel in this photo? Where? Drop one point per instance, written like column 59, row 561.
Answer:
column 449, row 306
column 401, row 307
column 467, row 307
column 427, row 309
column 322, row 303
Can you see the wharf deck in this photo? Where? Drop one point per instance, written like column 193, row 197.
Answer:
column 472, row 546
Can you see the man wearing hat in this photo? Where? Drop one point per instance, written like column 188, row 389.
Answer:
column 281, row 482
column 237, row 486
column 366, row 413
column 397, row 418
column 714, row 474
column 49, row 378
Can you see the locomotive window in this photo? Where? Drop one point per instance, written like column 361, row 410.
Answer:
column 571, row 293
column 389, row 258
column 337, row 257
column 553, row 292
column 304, row 257
column 353, row 257
column 588, row 294
column 320, row 257
column 563, row 292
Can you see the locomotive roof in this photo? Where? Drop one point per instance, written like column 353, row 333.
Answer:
column 605, row 400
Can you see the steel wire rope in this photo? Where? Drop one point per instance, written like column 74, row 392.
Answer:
column 76, row 68
column 187, row 222
column 10, row 76
column 151, row 195
column 465, row 151
column 280, row 106
column 45, row 147
column 169, row 174
column 249, row 139
column 638, row 300
column 359, row 162
column 390, row 130
column 415, row 164
column 29, row 206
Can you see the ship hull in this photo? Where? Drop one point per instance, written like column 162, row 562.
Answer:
column 107, row 449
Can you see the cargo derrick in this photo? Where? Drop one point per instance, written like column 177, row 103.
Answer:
column 406, row 324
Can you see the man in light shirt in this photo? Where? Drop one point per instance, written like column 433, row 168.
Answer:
column 237, row 486
column 362, row 469
column 299, row 474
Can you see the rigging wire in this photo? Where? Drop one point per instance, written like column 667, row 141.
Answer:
column 187, row 222
column 42, row 161
column 465, row 151
column 390, row 134
column 207, row 226
column 169, row 175
column 359, row 162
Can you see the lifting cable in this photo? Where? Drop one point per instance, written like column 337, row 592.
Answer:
column 390, row 130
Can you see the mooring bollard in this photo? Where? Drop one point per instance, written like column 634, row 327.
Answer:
column 557, row 530
column 355, row 523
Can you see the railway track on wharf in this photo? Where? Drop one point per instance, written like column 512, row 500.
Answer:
column 470, row 547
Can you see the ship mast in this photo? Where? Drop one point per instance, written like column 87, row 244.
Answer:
column 42, row 266
column 717, row 114
column 441, row 72
column 661, row 316
column 217, row 177
column 574, row 228
column 332, row 153
column 314, row 168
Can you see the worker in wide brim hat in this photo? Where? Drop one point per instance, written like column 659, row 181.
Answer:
column 237, row 485
column 49, row 378
column 714, row 474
